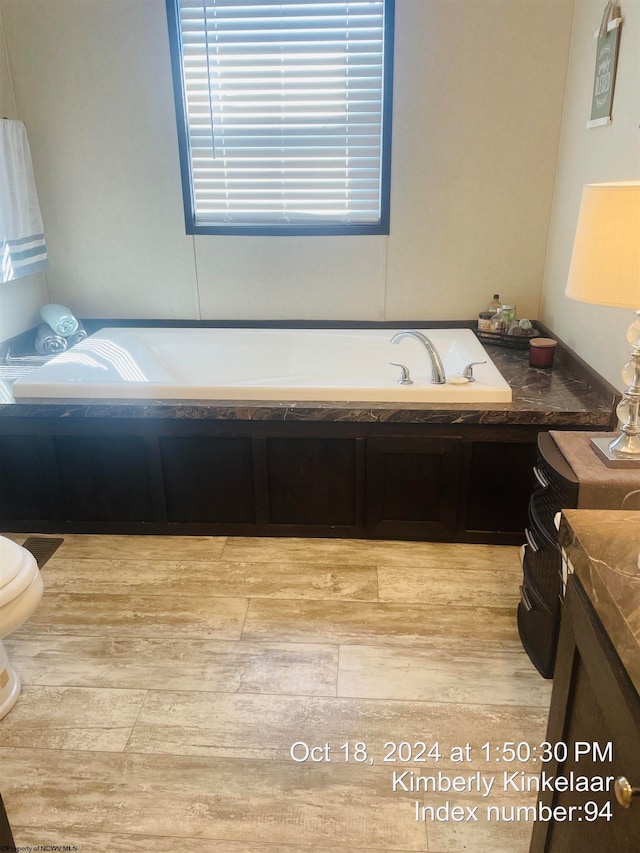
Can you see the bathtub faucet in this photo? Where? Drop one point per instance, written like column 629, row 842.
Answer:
column 437, row 368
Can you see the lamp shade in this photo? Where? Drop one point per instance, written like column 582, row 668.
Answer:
column 605, row 264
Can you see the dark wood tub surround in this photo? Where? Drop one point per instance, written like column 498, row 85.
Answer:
column 458, row 473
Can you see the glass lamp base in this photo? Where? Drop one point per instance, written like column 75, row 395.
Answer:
column 624, row 450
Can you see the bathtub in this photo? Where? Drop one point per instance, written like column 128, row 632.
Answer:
column 179, row 364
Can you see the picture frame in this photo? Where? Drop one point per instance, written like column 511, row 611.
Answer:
column 608, row 43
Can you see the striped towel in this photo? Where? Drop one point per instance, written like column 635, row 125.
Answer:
column 22, row 246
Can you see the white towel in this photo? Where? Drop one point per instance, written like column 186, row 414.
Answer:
column 22, row 247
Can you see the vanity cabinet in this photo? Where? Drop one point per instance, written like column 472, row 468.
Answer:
column 593, row 703
column 6, row 836
column 556, row 487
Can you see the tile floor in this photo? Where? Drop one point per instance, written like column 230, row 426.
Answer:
column 166, row 680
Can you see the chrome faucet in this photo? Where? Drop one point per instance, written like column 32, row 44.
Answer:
column 437, row 368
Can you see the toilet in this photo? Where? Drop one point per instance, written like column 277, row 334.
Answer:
column 20, row 593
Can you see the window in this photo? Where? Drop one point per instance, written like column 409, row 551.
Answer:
column 284, row 114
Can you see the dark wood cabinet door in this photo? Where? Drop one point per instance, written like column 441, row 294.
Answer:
column 102, row 478
column 501, row 474
column 413, row 487
column 208, row 480
column 312, row 481
column 6, row 836
column 24, row 488
column 594, row 704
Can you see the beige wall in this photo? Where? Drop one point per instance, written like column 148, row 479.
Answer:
column 20, row 301
column 609, row 153
column 477, row 110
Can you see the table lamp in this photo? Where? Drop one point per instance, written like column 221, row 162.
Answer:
column 605, row 270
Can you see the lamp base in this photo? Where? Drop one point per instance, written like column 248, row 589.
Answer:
column 601, row 447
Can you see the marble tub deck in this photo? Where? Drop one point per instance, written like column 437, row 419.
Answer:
column 549, row 398
column 166, row 679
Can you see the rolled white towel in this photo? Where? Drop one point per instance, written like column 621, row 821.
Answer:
column 59, row 318
column 79, row 335
column 47, row 342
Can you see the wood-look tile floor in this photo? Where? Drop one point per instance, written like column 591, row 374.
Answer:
column 166, row 679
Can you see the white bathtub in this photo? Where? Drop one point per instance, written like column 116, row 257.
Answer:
column 178, row 364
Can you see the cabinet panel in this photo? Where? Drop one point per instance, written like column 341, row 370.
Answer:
column 501, row 475
column 24, row 492
column 103, row 478
column 311, row 481
column 593, row 702
column 6, row 836
column 208, row 479
column 413, row 486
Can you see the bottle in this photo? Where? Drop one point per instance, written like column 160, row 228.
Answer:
column 495, row 304
column 496, row 323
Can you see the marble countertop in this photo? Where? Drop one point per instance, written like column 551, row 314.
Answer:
column 603, row 547
column 545, row 397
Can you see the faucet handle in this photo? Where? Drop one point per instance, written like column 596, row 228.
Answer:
column 468, row 371
column 405, row 379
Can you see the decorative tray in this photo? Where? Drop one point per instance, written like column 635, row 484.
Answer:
column 504, row 340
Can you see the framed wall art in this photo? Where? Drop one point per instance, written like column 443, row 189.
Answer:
column 608, row 42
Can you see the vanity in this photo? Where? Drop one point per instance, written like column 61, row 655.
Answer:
column 594, row 719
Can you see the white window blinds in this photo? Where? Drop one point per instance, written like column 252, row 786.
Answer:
column 284, row 106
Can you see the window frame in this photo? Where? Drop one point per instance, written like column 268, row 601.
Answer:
column 295, row 229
